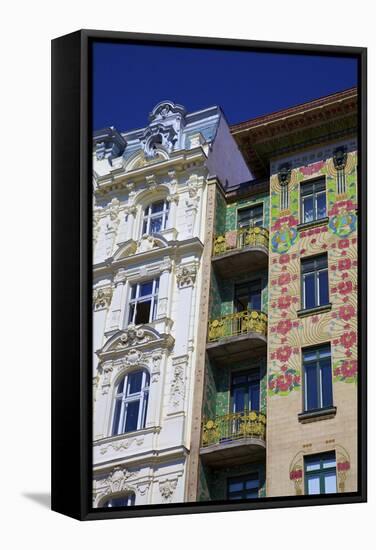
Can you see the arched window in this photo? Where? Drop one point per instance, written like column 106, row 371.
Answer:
column 155, row 217
column 126, row 500
column 131, row 402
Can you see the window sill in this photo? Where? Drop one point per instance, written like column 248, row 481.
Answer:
column 317, row 414
column 314, row 310
column 313, row 223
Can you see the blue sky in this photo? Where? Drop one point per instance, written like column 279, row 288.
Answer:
column 129, row 80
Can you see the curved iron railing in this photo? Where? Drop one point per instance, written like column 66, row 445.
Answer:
column 235, row 324
column 240, row 238
column 232, row 427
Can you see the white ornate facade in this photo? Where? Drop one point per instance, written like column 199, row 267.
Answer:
column 146, row 296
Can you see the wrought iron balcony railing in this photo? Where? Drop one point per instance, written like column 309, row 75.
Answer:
column 232, row 427
column 240, row 238
column 236, row 324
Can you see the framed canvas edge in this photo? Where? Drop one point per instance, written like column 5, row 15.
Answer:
column 83, row 509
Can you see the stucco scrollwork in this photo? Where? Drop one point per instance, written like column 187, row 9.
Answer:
column 186, row 275
column 102, row 298
column 167, row 488
column 177, row 392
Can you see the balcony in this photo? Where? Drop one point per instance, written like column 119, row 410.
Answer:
column 241, row 251
column 233, row 439
column 237, row 336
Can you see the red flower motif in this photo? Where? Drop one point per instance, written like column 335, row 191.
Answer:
column 284, row 354
column 315, row 319
column 343, row 466
column 296, row 474
column 344, row 243
column 344, row 287
column 285, row 221
column 348, row 339
column 284, row 259
column 284, row 279
column 344, row 264
column 284, row 327
column 284, row 302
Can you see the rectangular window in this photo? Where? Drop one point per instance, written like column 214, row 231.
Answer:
column 315, row 283
column 313, row 200
column 248, row 296
column 155, row 217
column 251, row 217
column 245, row 391
column 317, row 369
column 239, row 488
column 143, row 302
column 320, row 475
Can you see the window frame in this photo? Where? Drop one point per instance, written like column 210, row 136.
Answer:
column 118, row 428
column 252, row 375
column 318, row 367
column 320, row 472
column 243, row 479
column 250, row 207
column 248, row 284
column 316, row 271
column 148, row 216
column 153, row 298
column 314, row 194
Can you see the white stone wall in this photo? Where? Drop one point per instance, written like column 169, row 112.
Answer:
column 150, row 462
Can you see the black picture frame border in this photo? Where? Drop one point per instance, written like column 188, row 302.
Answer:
column 71, row 474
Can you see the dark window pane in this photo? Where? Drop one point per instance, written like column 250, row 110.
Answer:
column 131, row 416
column 134, row 382
column 144, row 227
column 307, row 209
column 238, row 400
column 235, row 497
column 156, row 225
column 146, row 288
column 142, row 313
column 308, row 266
column 133, row 291
column 326, row 381
column 252, row 483
column 255, row 396
column 321, row 262
column 235, row 486
column 255, row 301
column 319, row 185
column 320, row 206
column 157, row 207
column 323, row 288
column 307, row 189
column 309, row 291
column 311, row 387
column 120, row 387
column 253, row 494
column 115, row 426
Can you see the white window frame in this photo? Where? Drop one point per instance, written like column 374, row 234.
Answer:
column 153, row 298
column 142, row 396
column 148, row 216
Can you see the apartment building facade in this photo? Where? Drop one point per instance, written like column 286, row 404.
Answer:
column 225, row 306
column 150, row 201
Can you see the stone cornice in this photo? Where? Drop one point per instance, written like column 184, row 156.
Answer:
column 119, row 179
column 175, row 248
